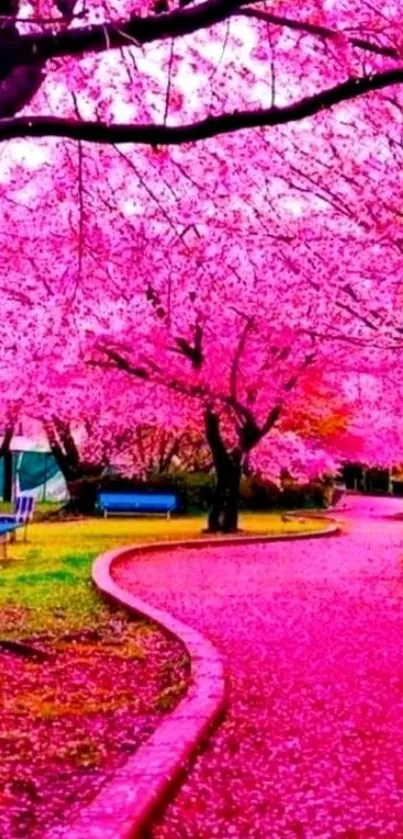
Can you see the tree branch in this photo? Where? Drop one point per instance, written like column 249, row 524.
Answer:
column 56, row 446
column 135, row 31
column 193, row 352
column 6, row 442
column 18, row 82
column 276, row 411
column 155, row 135
column 138, row 30
column 214, row 439
column 321, row 31
column 66, row 441
column 237, row 357
column 121, row 363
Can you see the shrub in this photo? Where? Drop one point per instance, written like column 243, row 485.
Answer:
column 197, row 489
column 258, row 493
column 308, row 495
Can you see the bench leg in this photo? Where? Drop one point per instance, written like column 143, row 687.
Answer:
column 3, row 541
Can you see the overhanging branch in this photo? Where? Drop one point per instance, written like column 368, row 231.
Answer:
column 162, row 135
column 325, row 32
column 137, row 30
column 133, row 31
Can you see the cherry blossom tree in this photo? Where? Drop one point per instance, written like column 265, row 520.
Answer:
column 96, row 425
column 236, row 351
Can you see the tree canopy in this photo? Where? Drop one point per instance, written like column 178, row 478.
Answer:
column 176, row 271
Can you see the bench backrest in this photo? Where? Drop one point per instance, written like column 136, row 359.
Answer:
column 160, row 501
column 24, row 508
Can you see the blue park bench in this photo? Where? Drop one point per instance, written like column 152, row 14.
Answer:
column 137, row 503
column 11, row 522
column 6, row 528
column 23, row 513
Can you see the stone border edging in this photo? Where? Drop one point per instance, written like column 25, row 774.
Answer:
column 127, row 803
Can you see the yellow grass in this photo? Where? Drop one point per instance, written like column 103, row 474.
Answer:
column 45, row 586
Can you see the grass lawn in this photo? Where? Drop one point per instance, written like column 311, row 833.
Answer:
column 45, row 586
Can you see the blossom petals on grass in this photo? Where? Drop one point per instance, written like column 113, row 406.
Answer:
column 70, row 720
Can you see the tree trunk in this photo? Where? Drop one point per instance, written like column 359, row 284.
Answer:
column 83, row 494
column 223, row 516
column 7, row 455
column 7, row 475
column 81, row 478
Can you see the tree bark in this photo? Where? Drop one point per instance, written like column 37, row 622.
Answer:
column 81, row 477
column 83, row 491
column 8, row 475
column 7, row 455
column 154, row 134
column 223, row 516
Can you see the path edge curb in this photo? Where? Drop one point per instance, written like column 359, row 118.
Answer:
column 127, row 803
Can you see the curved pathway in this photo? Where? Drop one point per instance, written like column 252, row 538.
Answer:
column 312, row 636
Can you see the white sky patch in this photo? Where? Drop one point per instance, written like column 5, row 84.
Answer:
column 211, row 50
column 151, row 62
column 131, row 208
column 85, row 107
column 343, row 115
column 123, row 112
column 294, row 206
column 32, row 155
column 26, row 195
column 263, row 92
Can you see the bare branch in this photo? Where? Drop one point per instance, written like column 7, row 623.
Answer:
column 122, row 363
column 169, row 81
column 155, row 135
column 277, row 410
column 237, row 357
column 100, row 37
column 194, row 352
column 321, row 31
column 138, row 30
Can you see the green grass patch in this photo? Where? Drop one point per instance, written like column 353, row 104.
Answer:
column 45, row 586
column 41, row 512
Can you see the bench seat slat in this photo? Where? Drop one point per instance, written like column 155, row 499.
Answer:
column 137, row 502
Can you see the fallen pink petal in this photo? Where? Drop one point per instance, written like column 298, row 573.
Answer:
column 311, row 637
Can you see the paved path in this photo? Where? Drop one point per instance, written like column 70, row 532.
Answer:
column 312, row 635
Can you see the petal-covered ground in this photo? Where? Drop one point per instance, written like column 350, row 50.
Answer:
column 73, row 710
column 312, row 636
